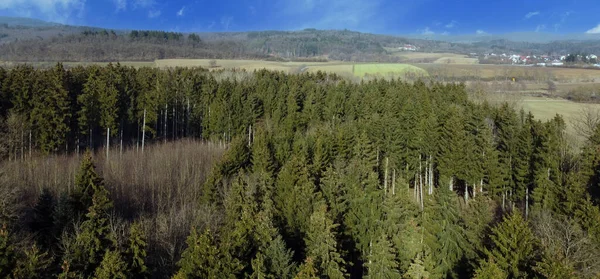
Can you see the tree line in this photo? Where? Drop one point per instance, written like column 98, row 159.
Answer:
column 322, row 178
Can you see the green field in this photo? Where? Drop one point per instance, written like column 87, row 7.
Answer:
column 360, row 70
column 546, row 108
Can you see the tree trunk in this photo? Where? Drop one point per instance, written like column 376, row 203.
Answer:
column 416, row 189
column 431, row 174
column 503, row 200
column 526, row 202
column 452, row 183
column 143, row 131
column 249, row 135
column 466, row 193
column 166, row 113
column 175, row 121
column 393, row 182
column 187, row 118
column 385, row 176
column 481, row 185
column 107, row 143
column 22, row 145
column 121, row 145
column 30, row 143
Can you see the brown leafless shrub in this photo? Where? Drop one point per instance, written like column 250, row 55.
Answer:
column 160, row 188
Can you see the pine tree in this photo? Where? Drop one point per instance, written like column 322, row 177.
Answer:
column 89, row 114
column 86, row 182
column 416, row 270
column 43, row 219
column 278, row 260
column 201, row 257
column 321, row 245
column 136, row 251
column 445, row 233
column 50, row 114
column 112, row 267
column 381, row 263
column 7, row 252
column 514, row 246
column 33, row 264
column 489, row 270
column 95, row 238
column 307, row 270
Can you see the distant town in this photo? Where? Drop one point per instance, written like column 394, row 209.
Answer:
column 530, row 60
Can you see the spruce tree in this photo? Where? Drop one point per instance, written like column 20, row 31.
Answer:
column 95, row 238
column 513, row 246
column 307, row 270
column 381, row 263
column 86, row 183
column 489, row 270
column 7, row 252
column 112, row 267
column 32, row 264
column 135, row 256
column 201, row 257
column 321, row 245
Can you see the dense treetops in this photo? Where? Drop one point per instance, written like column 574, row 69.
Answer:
column 323, row 178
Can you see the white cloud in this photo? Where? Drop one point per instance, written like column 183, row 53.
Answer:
column 181, row 11
column 446, row 33
column 540, row 27
column 426, row 31
column 143, row 4
column 121, row 5
column 595, row 30
column 452, row 24
column 154, row 13
column 480, row 32
column 531, row 14
column 61, row 11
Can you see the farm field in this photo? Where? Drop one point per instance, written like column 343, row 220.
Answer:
column 546, row 108
column 360, row 70
column 341, row 68
column 432, row 57
column 486, row 71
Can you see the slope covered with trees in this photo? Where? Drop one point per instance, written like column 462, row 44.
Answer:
column 322, row 178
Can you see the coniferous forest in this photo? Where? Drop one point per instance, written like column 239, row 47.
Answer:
column 117, row 172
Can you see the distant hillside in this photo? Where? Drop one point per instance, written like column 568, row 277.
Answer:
column 34, row 40
column 26, row 22
column 530, row 37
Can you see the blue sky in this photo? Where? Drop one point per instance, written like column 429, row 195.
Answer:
column 450, row 17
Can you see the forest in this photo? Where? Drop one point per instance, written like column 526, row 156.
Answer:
column 118, row 172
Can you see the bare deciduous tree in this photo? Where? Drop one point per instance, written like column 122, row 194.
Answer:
column 586, row 121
